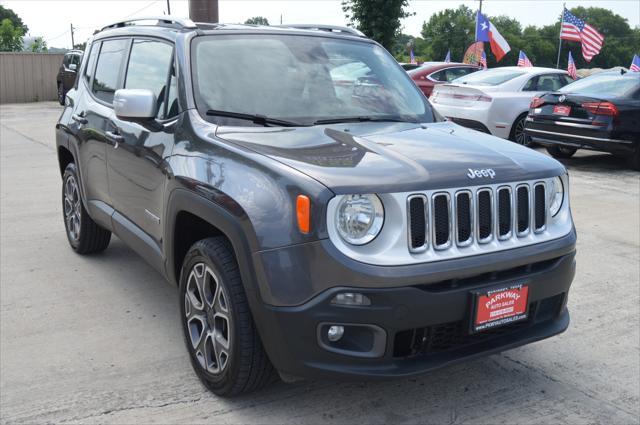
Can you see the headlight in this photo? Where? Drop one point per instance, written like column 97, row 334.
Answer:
column 557, row 196
column 359, row 218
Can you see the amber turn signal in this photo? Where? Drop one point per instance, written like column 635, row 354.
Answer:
column 303, row 210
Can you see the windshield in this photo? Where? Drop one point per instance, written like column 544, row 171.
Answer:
column 301, row 79
column 612, row 85
column 492, row 77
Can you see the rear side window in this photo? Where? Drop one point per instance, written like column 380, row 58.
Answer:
column 549, row 82
column 105, row 81
column 148, row 69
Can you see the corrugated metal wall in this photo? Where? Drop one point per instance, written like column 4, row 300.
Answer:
column 28, row 77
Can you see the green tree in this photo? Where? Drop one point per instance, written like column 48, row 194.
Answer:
column 10, row 36
column 38, row 45
column 378, row 19
column 257, row 20
column 450, row 29
column 80, row 46
column 6, row 13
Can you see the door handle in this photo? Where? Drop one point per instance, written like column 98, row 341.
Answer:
column 79, row 118
column 114, row 138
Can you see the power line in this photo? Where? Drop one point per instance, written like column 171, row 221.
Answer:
column 141, row 9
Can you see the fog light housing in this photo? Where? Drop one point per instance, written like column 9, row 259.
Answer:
column 351, row 298
column 335, row 332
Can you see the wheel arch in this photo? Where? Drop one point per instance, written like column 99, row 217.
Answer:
column 192, row 217
column 65, row 157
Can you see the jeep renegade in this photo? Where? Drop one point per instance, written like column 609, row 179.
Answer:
column 318, row 217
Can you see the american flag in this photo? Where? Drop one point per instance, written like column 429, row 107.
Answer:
column 571, row 68
column 483, row 60
column 635, row 64
column 575, row 29
column 523, row 60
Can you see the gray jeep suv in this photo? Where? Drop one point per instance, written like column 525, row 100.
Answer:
column 317, row 215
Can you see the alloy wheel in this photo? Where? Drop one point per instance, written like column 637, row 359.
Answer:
column 72, row 208
column 520, row 136
column 208, row 318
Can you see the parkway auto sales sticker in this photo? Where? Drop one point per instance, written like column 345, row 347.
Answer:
column 500, row 306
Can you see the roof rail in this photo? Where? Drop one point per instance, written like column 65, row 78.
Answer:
column 327, row 28
column 164, row 19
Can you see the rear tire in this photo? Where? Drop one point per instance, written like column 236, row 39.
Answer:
column 562, row 152
column 517, row 132
column 85, row 235
column 223, row 343
column 61, row 94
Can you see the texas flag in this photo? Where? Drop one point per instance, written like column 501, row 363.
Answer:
column 485, row 31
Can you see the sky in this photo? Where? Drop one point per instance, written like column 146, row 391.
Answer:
column 51, row 19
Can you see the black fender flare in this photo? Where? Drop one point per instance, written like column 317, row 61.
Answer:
column 241, row 238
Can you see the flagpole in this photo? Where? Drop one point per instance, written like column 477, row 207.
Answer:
column 564, row 6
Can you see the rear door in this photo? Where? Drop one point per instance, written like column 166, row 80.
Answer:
column 137, row 169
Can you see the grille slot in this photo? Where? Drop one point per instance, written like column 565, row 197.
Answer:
column 464, row 218
column 504, row 213
column 540, row 206
column 417, row 215
column 441, row 220
column 485, row 215
column 523, row 210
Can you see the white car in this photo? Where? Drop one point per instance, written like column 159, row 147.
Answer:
column 496, row 101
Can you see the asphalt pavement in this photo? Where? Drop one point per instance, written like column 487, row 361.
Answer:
column 96, row 339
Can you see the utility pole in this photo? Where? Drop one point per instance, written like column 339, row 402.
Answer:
column 72, row 42
column 281, row 19
column 168, row 8
column 203, row 11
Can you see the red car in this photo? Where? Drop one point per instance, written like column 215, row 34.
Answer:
column 432, row 73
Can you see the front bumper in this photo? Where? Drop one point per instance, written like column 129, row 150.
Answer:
column 416, row 327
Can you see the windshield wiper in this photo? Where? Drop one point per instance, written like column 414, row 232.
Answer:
column 256, row 119
column 363, row 118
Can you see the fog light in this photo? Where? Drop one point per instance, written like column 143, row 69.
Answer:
column 335, row 333
column 351, row 298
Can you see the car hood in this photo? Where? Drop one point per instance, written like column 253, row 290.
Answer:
column 400, row 157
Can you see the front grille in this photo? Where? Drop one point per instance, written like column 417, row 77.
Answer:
column 444, row 337
column 417, row 215
column 523, row 209
column 540, row 204
column 450, row 219
column 441, row 220
column 485, row 216
column 504, row 212
column 464, row 217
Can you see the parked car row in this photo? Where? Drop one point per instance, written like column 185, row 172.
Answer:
column 544, row 106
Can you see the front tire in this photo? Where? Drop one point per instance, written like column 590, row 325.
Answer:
column 223, row 344
column 85, row 235
column 561, row 152
column 517, row 132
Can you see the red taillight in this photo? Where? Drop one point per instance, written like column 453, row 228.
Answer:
column 601, row 108
column 536, row 102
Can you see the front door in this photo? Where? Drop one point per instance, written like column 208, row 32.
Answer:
column 136, row 164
